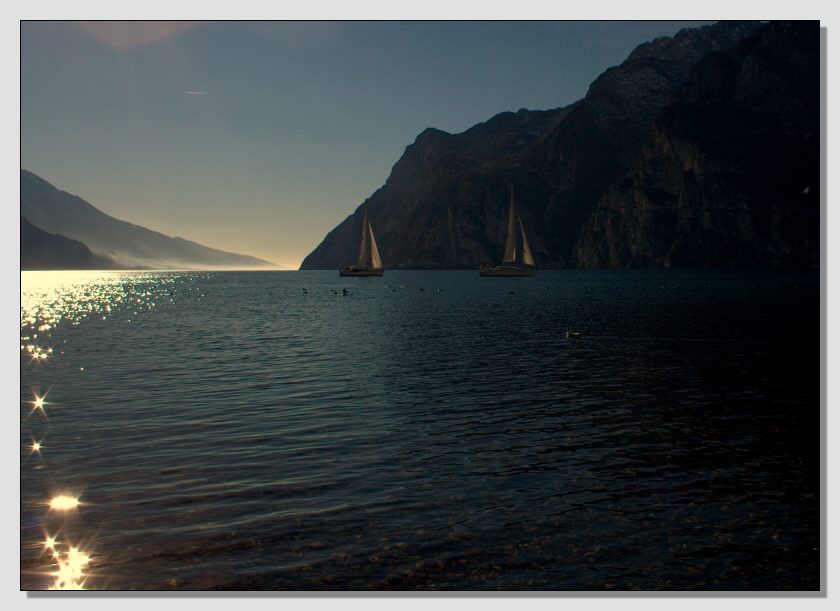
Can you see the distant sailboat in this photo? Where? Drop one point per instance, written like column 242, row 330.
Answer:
column 369, row 263
column 518, row 259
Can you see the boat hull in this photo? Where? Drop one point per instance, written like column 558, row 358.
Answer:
column 357, row 271
column 507, row 272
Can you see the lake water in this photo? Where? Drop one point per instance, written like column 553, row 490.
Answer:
column 426, row 430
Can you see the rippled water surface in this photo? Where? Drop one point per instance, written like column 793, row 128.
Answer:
column 430, row 430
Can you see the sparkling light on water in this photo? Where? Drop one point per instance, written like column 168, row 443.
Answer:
column 70, row 566
column 64, row 502
column 50, row 298
column 38, row 404
column 55, row 301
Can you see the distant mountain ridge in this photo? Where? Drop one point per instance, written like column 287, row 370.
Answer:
column 129, row 245
column 444, row 204
column 47, row 251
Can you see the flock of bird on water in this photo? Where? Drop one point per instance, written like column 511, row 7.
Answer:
column 571, row 334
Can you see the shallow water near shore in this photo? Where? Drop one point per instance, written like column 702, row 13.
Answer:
column 425, row 430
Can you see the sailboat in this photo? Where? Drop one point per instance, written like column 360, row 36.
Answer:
column 369, row 263
column 518, row 259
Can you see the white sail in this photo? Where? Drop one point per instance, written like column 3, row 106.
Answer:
column 364, row 251
column 510, row 243
column 375, row 261
column 527, row 255
column 513, row 264
column 369, row 262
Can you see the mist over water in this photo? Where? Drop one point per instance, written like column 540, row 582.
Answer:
column 263, row 430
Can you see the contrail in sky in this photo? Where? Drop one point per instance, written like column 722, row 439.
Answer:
column 196, row 92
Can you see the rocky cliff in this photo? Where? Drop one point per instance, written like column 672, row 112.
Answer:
column 445, row 202
column 730, row 173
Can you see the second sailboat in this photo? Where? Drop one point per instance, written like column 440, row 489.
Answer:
column 518, row 259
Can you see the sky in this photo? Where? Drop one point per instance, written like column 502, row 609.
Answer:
column 260, row 137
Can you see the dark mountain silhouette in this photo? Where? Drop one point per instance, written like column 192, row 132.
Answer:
column 445, row 202
column 42, row 250
column 434, row 206
column 130, row 245
column 730, row 175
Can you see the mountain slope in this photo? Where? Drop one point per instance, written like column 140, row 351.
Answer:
column 131, row 245
column 431, row 211
column 444, row 204
column 730, row 176
column 42, row 250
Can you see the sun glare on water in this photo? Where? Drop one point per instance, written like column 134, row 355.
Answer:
column 63, row 503
column 38, row 404
column 70, row 565
column 51, row 303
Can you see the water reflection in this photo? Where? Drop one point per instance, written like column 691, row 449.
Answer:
column 63, row 502
column 69, row 564
column 51, row 304
column 50, row 298
column 256, row 435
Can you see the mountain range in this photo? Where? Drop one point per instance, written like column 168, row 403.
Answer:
column 700, row 149
column 55, row 224
column 44, row 250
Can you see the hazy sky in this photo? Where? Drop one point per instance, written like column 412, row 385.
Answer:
column 260, row 137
